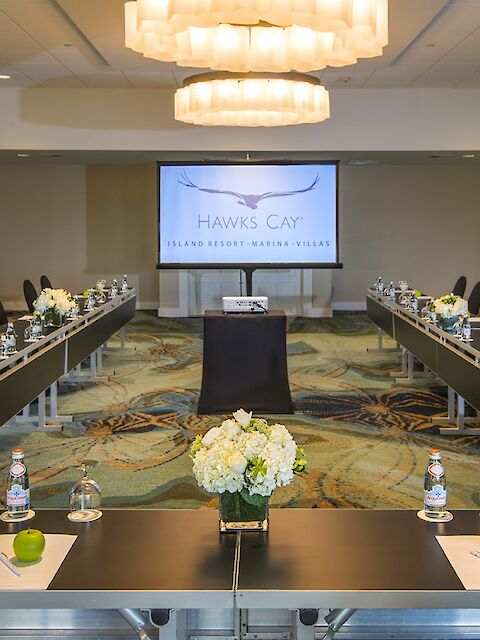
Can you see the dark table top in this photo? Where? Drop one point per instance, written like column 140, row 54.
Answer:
column 139, row 551
column 216, row 313
column 354, row 551
column 21, row 325
column 309, row 558
column 474, row 344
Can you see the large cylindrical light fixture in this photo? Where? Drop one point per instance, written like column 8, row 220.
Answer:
column 251, row 100
column 257, row 35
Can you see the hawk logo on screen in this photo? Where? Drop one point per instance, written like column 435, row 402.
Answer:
column 249, row 200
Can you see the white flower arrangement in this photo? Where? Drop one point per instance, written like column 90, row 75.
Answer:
column 246, row 454
column 450, row 306
column 56, row 300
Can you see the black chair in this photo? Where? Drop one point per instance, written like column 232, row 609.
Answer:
column 460, row 286
column 474, row 300
column 30, row 294
column 3, row 314
column 45, row 283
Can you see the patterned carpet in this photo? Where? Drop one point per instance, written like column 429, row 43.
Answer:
column 366, row 437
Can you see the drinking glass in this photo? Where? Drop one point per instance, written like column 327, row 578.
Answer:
column 403, row 285
column 91, row 300
column 86, row 493
column 36, row 329
column 27, row 334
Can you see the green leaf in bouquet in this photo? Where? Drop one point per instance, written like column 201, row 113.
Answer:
column 255, row 499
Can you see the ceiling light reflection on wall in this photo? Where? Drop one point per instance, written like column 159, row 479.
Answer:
column 251, row 100
column 257, row 35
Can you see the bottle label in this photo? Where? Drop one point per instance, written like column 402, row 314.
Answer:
column 436, row 469
column 436, row 497
column 18, row 497
column 17, row 469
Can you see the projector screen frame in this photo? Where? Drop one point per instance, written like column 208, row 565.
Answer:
column 250, row 265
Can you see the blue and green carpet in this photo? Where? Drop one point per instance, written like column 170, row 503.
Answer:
column 366, row 437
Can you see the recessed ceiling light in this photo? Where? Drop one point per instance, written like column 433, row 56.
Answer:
column 468, row 155
column 4, row 76
column 345, row 79
column 440, row 155
column 23, row 155
column 67, row 44
column 364, row 162
column 431, row 44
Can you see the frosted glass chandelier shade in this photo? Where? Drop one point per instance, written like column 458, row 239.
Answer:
column 251, row 101
column 257, row 35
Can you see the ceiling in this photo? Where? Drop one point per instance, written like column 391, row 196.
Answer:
column 80, row 43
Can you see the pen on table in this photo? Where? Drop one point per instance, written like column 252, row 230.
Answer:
column 9, row 565
column 475, row 553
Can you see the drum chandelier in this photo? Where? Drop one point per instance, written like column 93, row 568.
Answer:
column 259, row 37
column 252, row 100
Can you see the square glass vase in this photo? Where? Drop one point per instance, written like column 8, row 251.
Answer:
column 238, row 514
column 52, row 318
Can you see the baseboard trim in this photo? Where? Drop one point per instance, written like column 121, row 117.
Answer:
column 349, row 306
column 314, row 312
column 147, row 306
column 174, row 312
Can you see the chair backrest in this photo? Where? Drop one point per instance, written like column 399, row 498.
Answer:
column 3, row 314
column 45, row 283
column 474, row 300
column 30, row 294
column 460, row 286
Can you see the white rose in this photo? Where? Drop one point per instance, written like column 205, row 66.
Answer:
column 230, row 428
column 211, row 436
column 242, row 417
column 238, row 463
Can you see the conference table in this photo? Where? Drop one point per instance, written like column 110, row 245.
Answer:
column 455, row 362
column 38, row 366
column 310, row 560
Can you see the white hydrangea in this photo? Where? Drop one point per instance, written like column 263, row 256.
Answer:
column 237, row 456
column 450, row 306
column 56, row 299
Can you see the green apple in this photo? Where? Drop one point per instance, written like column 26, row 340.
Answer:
column 28, row 545
column 418, row 293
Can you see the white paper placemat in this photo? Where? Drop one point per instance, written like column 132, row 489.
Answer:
column 36, row 576
column 467, row 567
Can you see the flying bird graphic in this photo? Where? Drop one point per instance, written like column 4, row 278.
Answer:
column 249, row 200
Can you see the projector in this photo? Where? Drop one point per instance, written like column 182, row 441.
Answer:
column 245, row 304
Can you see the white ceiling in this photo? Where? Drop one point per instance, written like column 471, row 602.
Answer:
column 80, row 43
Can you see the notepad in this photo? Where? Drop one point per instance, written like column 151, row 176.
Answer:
column 35, row 576
column 467, row 567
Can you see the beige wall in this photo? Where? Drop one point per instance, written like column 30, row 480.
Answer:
column 78, row 223
column 407, row 119
column 414, row 222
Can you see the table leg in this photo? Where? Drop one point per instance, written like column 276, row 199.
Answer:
column 459, row 420
column 53, row 415
column 301, row 631
column 92, row 375
column 100, row 368
column 380, row 344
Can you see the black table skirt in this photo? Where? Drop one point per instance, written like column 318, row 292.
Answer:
column 245, row 363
